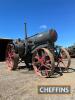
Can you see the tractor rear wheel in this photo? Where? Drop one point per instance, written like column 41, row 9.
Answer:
column 43, row 62
column 64, row 59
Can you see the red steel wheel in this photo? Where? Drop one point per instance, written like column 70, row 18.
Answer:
column 43, row 62
column 64, row 60
column 11, row 57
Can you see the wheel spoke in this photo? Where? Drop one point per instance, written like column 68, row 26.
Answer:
column 9, row 57
column 64, row 59
column 43, row 63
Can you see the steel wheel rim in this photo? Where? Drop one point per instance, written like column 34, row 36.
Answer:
column 44, row 67
column 64, row 60
column 10, row 57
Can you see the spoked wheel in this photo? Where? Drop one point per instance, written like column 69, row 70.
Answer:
column 11, row 58
column 64, row 59
column 43, row 62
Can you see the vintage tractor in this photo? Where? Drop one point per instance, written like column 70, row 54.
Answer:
column 38, row 52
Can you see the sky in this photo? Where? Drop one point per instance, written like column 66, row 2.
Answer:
column 39, row 15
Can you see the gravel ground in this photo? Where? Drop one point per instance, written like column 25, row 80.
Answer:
column 23, row 84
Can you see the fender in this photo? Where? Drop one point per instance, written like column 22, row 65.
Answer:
column 39, row 47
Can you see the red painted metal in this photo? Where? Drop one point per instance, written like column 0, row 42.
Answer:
column 44, row 62
column 10, row 57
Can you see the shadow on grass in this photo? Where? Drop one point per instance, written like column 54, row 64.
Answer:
column 58, row 72
column 63, row 70
column 25, row 70
column 21, row 67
